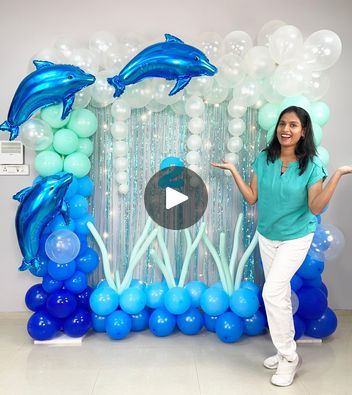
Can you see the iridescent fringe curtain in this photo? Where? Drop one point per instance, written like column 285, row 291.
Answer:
column 120, row 219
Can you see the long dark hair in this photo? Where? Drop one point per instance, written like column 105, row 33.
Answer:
column 305, row 149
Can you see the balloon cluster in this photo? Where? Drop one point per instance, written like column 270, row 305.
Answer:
column 61, row 301
column 189, row 308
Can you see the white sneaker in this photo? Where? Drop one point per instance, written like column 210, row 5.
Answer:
column 286, row 371
column 271, row 362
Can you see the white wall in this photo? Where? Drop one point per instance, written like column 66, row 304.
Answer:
column 28, row 27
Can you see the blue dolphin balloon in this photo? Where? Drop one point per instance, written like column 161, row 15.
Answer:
column 172, row 59
column 49, row 84
column 38, row 206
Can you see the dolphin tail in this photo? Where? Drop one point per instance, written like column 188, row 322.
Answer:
column 117, row 84
column 32, row 264
column 13, row 129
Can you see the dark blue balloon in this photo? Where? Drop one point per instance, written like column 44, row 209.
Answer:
column 313, row 282
column 78, row 323
column 191, row 322
column 38, row 206
column 214, row 301
column 177, row 300
column 296, row 282
column 83, row 243
column 49, row 84
column 77, row 283
column 61, row 303
column 324, row 288
column 50, row 285
column 312, row 303
column 61, row 271
column 155, row 293
column 162, row 322
column 310, row 268
column 59, row 223
column 210, row 322
column 36, row 298
column 118, row 325
column 78, row 206
column 140, row 321
column 98, row 322
column 229, row 327
column 255, row 325
column 42, row 326
column 83, row 298
column 323, row 326
column 300, row 326
column 88, row 260
column 85, row 186
column 172, row 60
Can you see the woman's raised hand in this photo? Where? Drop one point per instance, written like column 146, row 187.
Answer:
column 224, row 165
column 345, row 170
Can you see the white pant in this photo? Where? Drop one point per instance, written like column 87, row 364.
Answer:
column 281, row 260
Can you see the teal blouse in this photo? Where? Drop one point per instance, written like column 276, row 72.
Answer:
column 283, row 212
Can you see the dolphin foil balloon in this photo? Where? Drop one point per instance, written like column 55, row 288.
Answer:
column 50, row 84
column 172, row 60
column 39, row 204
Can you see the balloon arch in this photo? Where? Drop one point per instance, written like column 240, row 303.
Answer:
column 102, row 120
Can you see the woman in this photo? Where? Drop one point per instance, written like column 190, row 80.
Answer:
column 288, row 184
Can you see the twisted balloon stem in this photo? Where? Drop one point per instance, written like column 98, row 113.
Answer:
column 224, row 262
column 169, row 280
column 141, row 239
column 236, row 239
column 166, row 257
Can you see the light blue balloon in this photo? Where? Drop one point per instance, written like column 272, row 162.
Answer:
column 49, row 84
column 214, row 301
column 320, row 112
column 85, row 186
column 268, row 115
column 317, row 132
column 177, row 300
column 155, row 293
column 196, row 289
column 229, row 327
column 133, row 300
column 98, row 322
column 191, row 322
column 255, row 325
column 244, row 302
column 78, row 206
column 59, row 223
column 172, row 60
column 162, row 322
column 140, row 321
column 250, row 285
column 104, row 300
column 298, row 101
column 118, row 325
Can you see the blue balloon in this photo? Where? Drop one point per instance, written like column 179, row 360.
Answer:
column 49, row 84
column 137, row 283
column 313, row 282
column 229, row 327
column 83, row 298
column 312, row 303
column 250, row 285
column 85, row 186
column 61, row 303
column 324, row 288
column 77, row 283
column 296, row 282
column 210, row 322
column 140, row 321
column 42, row 326
column 61, row 271
column 155, row 293
column 38, row 206
column 62, row 246
column 78, row 323
column 244, row 302
column 42, row 265
column 59, row 223
column 72, row 189
column 255, row 325
column 81, row 224
column 191, row 322
column 36, row 298
column 133, row 300
column 162, row 322
column 323, row 326
column 300, row 326
column 83, row 243
column 98, row 322
column 78, row 206
column 177, row 300
column 171, row 161
column 196, row 289
column 118, row 325
column 214, row 301
column 104, row 300
column 310, row 268
column 88, row 260
column 218, row 284
column 172, row 60
column 50, row 284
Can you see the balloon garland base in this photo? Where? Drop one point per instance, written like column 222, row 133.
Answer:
column 61, row 340
column 308, row 339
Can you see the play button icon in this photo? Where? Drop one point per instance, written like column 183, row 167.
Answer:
column 176, row 197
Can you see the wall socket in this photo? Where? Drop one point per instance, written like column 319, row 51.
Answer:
column 14, row 170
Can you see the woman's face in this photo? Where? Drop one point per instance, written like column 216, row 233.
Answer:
column 289, row 130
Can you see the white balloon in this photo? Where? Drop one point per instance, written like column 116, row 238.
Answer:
column 179, row 107
column 194, row 106
column 120, row 148
column 211, row 44
column 36, row 134
column 154, row 106
column 194, row 142
column 236, row 127
column 161, row 89
column 196, row 125
column 294, row 302
column 258, row 63
column 234, row 144
column 102, row 92
column 238, row 43
column 120, row 110
column 217, row 95
column 121, row 177
column 232, row 157
column 193, row 157
column 247, row 92
column 285, row 43
column 82, row 98
column 267, row 30
column 119, row 130
column 86, row 60
column 123, row 189
column 199, row 86
column 138, row 95
column 231, row 70
column 236, row 110
column 316, row 86
column 120, row 163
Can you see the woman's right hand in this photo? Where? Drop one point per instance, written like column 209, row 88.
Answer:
column 224, row 165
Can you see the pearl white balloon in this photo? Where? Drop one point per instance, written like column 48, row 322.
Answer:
column 196, row 125
column 217, row 95
column 138, row 95
column 119, row 130
column 154, row 106
column 179, row 107
column 123, row 189
column 258, row 63
column 36, row 134
column 232, row 157
column 121, row 163
column 247, row 92
column 285, row 43
column 120, row 110
column 86, row 60
column 267, row 30
column 199, row 86
column 193, row 158
column 238, row 43
column 236, row 126
column 82, row 98
column 230, row 70
column 194, row 106
column 211, row 43
column 236, row 110
column 234, row 144
column 194, row 142
column 120, row 148
column 102, row 92
column 121, row 177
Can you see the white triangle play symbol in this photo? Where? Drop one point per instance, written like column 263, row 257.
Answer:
column 173, row 198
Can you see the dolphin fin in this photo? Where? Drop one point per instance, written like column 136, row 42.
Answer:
column 65, row 213
column 67, row 106
column 180, row 84
column 33, row 263
column 13, row 129
column 40, row 64
column 22, row 194
column 117, row 84
column 172, row 39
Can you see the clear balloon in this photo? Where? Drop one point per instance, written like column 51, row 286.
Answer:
column 247, row 92
column 138, row 95
column 48, row 54
column 120, row 163
column 113, row 59
column 100, row 42
column 82, row 98
column 120, row 110
column 194, row 106
column 211, row 43
column 285, row 43
column 269, row 92
column 336, row 240
column 36, row 134
column 65, row 46
column 160, row 91
column 62, row 246
column 316, row 86
column 199, row 86
column 123, row 189
column 86, row 60
column 231, row 69
column 217, row 95
column 258, row 63
column 288, row 80
column 154, row 106
column 267, row 30
column 237, row 43
column 120, row 148
column 121, row 177
column 102, row 92
column 235, row 109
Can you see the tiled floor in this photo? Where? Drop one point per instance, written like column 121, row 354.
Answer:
column 179, row 364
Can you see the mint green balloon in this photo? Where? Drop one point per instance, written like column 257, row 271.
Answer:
column 320, row 112
column 52, row 115
column 318, row 133
column 83, row 122
column 268, row 115
column 48, row 163
column 65, row 141
column 78, row 164
column 270, row 135
column 323, row 155
column 85, row 146
column 298, row 101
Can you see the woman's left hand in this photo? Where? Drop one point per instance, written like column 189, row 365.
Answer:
column 345, row 170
